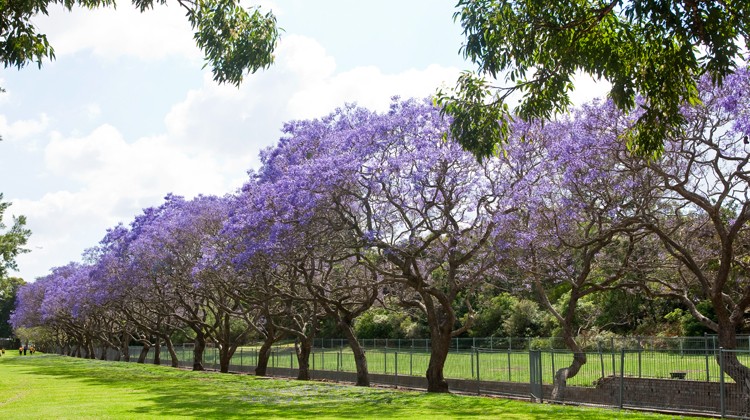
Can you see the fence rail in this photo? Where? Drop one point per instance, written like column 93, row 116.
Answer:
column 659, row 374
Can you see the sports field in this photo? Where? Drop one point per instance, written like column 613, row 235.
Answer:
column 491, row 366
column 47, row 386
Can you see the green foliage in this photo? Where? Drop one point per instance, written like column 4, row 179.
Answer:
column 652, row 48
column 328, row 328
column 8, row 288
column 480, row 118
column 525, row 320
column 688, row 324
column 383, row 323
column 505, row 315
column 39, row 336
column 234, row 40
column 491, row 312
column 621, row 311
column 12, row 241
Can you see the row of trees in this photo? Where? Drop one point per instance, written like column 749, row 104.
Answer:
column 362, row 209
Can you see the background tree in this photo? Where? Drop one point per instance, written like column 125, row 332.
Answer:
column 12, row 241
column 234, row 40
column 8, row 289
column 652, row 48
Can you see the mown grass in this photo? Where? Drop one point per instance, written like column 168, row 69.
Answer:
column 47, row 386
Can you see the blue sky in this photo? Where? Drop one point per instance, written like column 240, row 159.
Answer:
column 126, row 114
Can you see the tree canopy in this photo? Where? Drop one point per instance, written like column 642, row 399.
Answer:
column 234, row 39
column 650, row 51
column 12, row 241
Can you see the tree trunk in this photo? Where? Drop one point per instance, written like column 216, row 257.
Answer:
column 562, row 375
column 172, row 353
column 200, row 346
column 157, row 352
column 144, row 352
column 90, row 352
column 303, row 348
column 732, row 366
column 103, row 356
column 226, row 352
column 125, row 346
column 363, row 375
column 440, row 342
column 264, row 353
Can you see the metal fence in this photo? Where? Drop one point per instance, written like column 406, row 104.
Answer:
column 677, row 374
column 684, row 345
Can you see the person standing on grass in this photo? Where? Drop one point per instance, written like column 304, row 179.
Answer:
column 20, row 351
column 25, row 349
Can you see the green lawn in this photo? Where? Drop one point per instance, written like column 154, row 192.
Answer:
column 47, row 386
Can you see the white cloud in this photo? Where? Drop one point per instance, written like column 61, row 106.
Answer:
column 118, row 179
column 23, row 129
column 112, row 168
column 302, row 84
column 110, row 33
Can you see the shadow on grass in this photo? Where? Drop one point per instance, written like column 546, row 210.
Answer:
column 181, row 393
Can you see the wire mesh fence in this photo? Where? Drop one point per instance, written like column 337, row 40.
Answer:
column 681, row 374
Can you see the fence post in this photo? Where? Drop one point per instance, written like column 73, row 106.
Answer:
column 509, row 367
column 601, row 356
column 622, row 376
column 535, row 375
column 473, row 349
column 705, row 341
column 552, row 354
column 612, row 346
column 722, row 400
column 411, row 362
column 385, row 361
column 395, row 368
column 479, row 388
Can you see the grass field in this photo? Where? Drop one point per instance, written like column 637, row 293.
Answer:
column 47, row 386
column 493, row 366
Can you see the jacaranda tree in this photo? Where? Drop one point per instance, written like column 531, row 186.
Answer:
column 702, row 220
column 419, row 210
